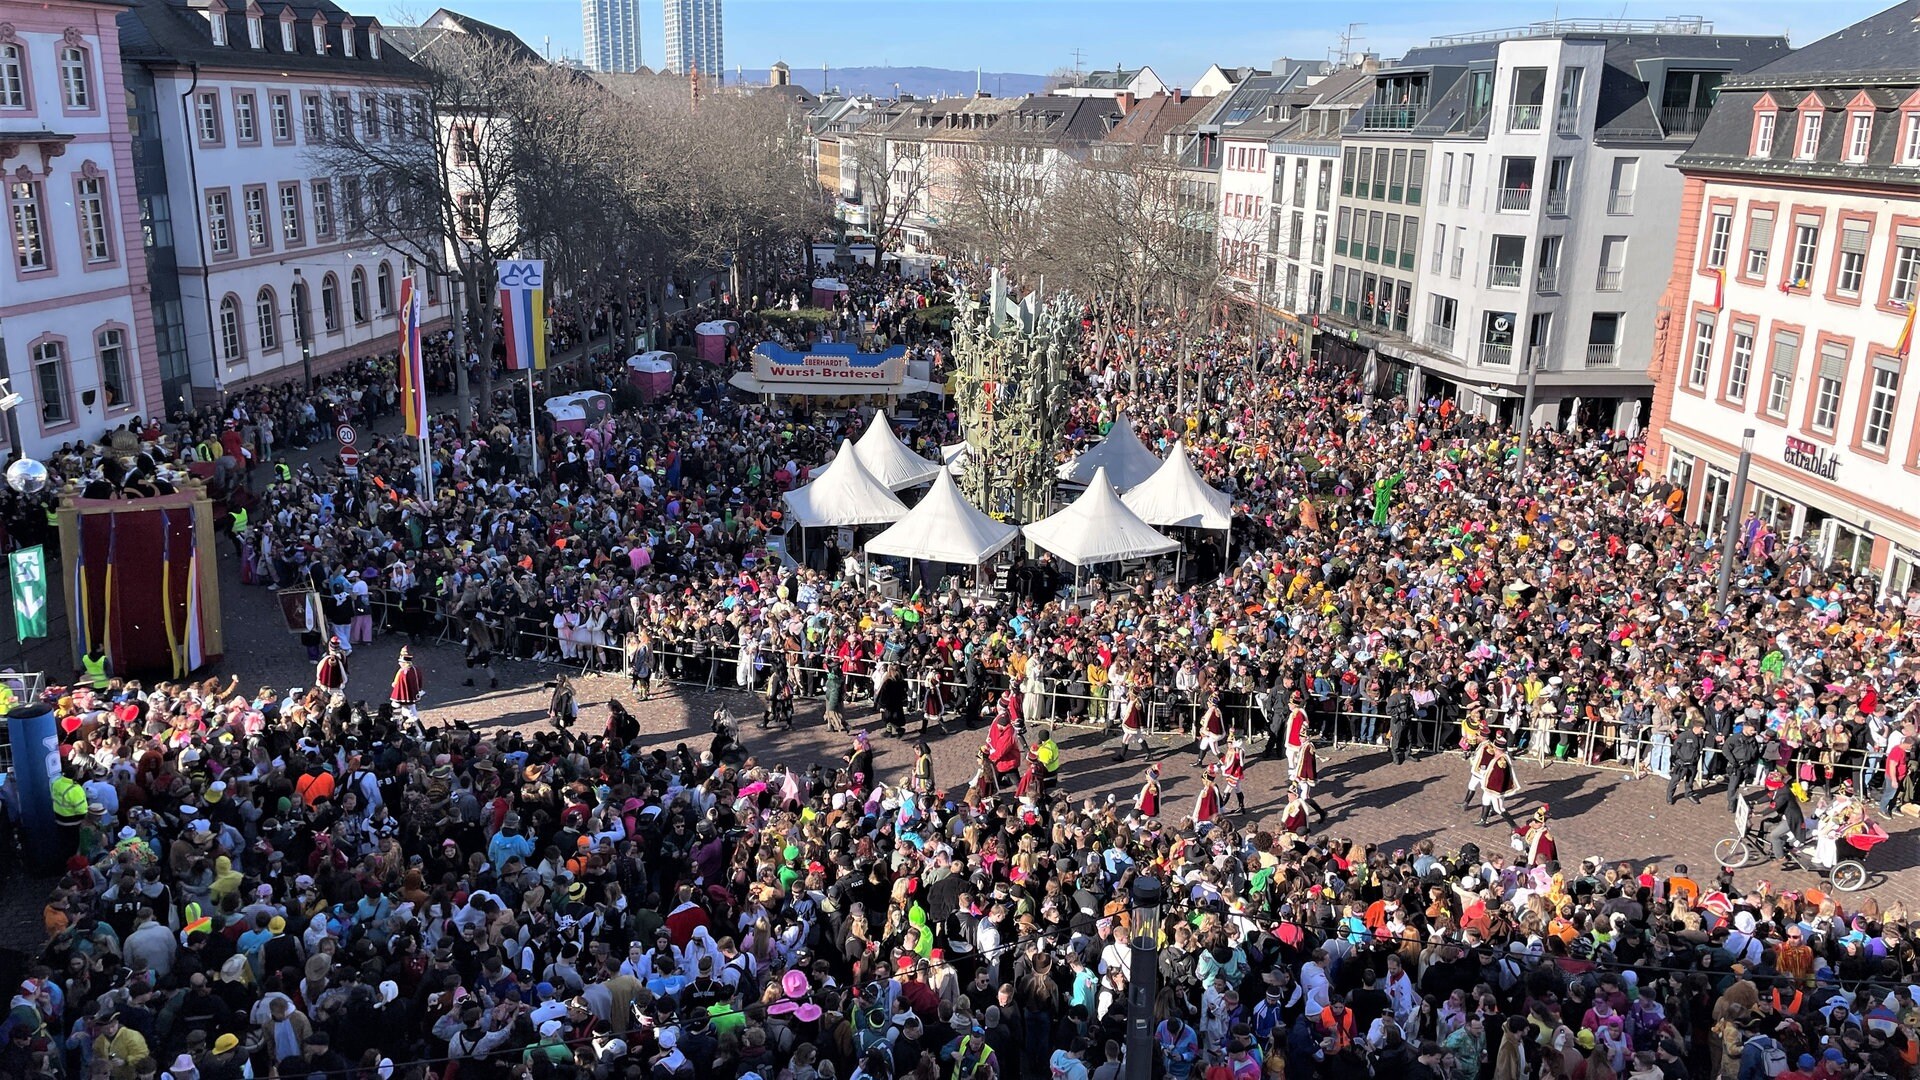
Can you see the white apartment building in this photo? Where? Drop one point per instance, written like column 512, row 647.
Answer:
column 1306, row 172
column 276, row 271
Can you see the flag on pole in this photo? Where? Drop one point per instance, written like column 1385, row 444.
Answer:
column 413, row 371
column 523, row 313
column 28, row 568
column 1904, row 347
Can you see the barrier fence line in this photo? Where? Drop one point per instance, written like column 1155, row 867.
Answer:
column 1333, row 720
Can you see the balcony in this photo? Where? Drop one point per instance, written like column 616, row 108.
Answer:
column 1683, row 121
column 1516, row 198
column 1609, row 280
column 1568, row 121
column 1504, row 277
column 1493, row 353
column 1547, row 279
column 1459, row 260
column 1603, row 355
column 1440, row 336
column 1523, row 118
column 1620, row 203
column 1390, row 117
column 1556, row 202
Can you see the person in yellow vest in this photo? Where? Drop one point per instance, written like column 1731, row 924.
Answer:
column 1046, row 754
column 94, row 664
column 69, row 810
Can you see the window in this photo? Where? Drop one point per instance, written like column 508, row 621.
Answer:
column 351, row 208
column 110, row 348
column 13, row 77
column 316, row 126
column 1439, row 247
column 1739, row 362
column 1570, row 80
column 1397, row 180
column 1702, row 360
column 383, row 288
column 1390, row 241
column 1539, row 331
column 1342, row 229
column 1859, row 136
column 370, row 115
column 1762, row 134
column 1603, row 339
column 1686, row 98
column 217, row 25
column 244, row 128
column 90, row 205
column 1559, row 183
column 50, row 376
column 1910, row 145
column 1446, row 178
column 290, row 213
column 1466, row 178
column 322, row 208
column 1347, row 165
column 1759, row 242
column 1626, row 177
column 1786, row 355
column 1613, row 263
column 357, row 290
column 347, row 39
column 266, row 320
column 286, row 31
column 219, row 231
column 282, row 118
column 230, row 344
column 330, row 303
column 1882, row 398
column 397, row 117
column 1852, row 270
column 1806, row 245
column 1719, row 235
column 1826, row 389
column 1409, row 241
column 1547, row 279
column 343, row 118
column 319, row 37
column 468, row 206
column 207, row 112
column 256, row 35
column 1906, row 266
column 1809, row 136
column 1416, row 176
column 1507, row 257
column 75, row 88
column 255, row 203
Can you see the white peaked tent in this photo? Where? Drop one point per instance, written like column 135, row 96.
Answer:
column 1176, row 495
column 944, row 527
column 955, row 455
column 1097, row 528
column 888, row 459
column 844, row 493
column 1128, row 463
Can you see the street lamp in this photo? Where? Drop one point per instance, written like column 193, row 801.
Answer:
column 302, row 328
column 1730, row 540
column 1143, row 974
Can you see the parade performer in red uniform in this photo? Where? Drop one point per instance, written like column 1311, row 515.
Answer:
column 1479, row 759
column 1213, row 729
column 1537, row 840
column 1147, row 803
column 407, row 687
column 1296, row 729
column 330, row 674
column 1233, row 770
column 1306, row 773
column 1133, row 729
column 1206, row 805
column 1003, row 749
column 1293, row 818
column 1497, row 783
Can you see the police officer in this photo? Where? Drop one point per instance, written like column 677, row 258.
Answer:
column 1399, row 723
column 1687, row 750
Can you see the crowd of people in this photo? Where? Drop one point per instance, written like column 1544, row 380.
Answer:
column 319, row 885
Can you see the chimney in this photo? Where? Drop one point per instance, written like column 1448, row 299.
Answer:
column 1125, row 100
column 1179, row 94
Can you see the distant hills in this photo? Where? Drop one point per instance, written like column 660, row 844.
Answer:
column 919, row 81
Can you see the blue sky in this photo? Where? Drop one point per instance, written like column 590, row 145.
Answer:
column 1178, row 37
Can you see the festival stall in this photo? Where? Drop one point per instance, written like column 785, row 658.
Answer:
column 651, row 373
column 1176, row 495
column 828, row 292
column 1128, row 463
column 944, row 528
column 710, row 339
column 844, row 496
column 1098, row 528
column 829, row 369
column 889, row 460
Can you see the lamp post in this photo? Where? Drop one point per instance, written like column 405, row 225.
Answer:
column 1730, row 539
column 1143, row 975
column 302, row 328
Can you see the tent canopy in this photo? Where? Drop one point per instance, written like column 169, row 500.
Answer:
column 888, row 459
column 1127, row 462
column 944, row 527
column 1176, row 495
column 1097, row 528
column 844, row 494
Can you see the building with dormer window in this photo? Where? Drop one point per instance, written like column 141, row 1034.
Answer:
column 1789, row 309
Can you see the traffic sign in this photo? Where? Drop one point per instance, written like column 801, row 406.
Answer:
column 345, row 434
column 350, row 460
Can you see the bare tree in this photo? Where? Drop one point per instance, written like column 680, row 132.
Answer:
column 892, row 174
column 998, row 195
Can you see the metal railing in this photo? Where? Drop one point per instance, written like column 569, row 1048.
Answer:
column 1620, row 202
column 1459, row 261
column 1608, row 280
column 1602, row 355
column 1505, row 276
column 1556, row 202
column 1446, row 190
column 1492, row 353
column 1547, row 279
column 1523, row 117
column 1684, row 120
column 1390, row 117
column 1441, row 336
column 1519, row 198
column 1567, row 120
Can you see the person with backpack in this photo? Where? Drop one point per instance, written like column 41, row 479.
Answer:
column 1762, row 1058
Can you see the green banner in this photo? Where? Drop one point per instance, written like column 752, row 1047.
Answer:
column 28, row 568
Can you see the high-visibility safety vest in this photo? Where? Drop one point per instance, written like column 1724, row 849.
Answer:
column 69, row 800
column 282, row 471
column 240, row 520
column 96, row 669
column 1341, row 1030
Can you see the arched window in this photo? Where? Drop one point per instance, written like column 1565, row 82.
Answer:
column 230, row 330
column 75, row 86
column 384, row 283
column 297, row 298
column 13, row 77
column 267, row 319
column 50, row 378
column 330, row 303
column 359, row 292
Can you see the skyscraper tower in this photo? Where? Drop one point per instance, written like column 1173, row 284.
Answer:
column 695, row 41
column 612, row 32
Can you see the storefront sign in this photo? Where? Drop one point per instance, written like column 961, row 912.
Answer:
column 826, row 362
column 1812, row 458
